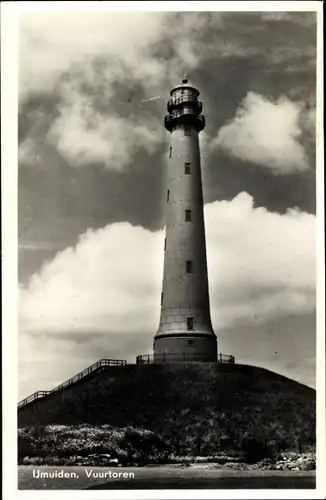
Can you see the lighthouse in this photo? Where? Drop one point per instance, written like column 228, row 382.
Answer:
column 185, row 331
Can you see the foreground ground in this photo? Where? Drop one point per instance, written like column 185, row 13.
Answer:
column 166, row 477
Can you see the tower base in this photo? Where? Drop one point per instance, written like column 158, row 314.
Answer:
column 183, row 347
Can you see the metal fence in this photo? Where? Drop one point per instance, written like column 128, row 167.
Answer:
column 146, row 359
column 101, row 364
column 33, row 397
column 226, row 358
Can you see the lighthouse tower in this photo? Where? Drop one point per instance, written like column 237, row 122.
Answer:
column 185, row 331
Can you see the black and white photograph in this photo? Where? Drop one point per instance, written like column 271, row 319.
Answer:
column 168, row 213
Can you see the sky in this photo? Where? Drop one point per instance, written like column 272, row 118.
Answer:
column 92, row 154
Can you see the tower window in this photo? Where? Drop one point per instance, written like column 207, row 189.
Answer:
column 170, row 153
column 165, row 244
column 188, row 215
column 191, row 342
column 189, row 266
column 187, row 131
column 161, row 298
column 190, row 323
column 168, row 195
column 187, row 168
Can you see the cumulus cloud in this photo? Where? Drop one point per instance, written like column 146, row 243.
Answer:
column 109, row 279
column 81, row 66
column 85, row 67
column 124, row 40
column 84, row 135
column 28, row 153
column 151, row 49
column 261, row 265
column 265, row 133
column 52, row 43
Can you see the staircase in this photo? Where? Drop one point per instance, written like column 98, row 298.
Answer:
column 99, row 366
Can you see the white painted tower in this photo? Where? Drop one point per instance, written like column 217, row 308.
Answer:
column 185, row 331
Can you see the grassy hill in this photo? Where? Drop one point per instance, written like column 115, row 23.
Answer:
column 195, row 408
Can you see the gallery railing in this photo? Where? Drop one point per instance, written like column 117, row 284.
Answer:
column 191, row 99
column 180, row 357
column 101, row 364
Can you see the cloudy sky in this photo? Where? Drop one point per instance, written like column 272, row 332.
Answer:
column 92, row 152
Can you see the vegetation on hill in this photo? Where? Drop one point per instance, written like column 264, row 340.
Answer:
column 104, row 445
column 186, row 409
column 63, row 444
